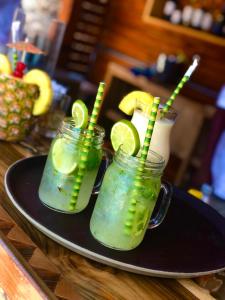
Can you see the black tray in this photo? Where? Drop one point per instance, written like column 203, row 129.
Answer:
column 190, row 241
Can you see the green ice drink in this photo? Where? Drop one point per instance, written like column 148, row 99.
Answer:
column 111, row 211
column 62, row 165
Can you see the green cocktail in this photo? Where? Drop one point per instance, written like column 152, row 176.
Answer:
column 62, row 166
column 111, row 213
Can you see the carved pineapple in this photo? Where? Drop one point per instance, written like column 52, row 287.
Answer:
column 16, row 105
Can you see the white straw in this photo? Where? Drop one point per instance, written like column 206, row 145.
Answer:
column 23, row 57
column 192, row 67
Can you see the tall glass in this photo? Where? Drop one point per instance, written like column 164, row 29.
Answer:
column 112, row 211
column 62, row 165
column 49, row 40
column 49, row 123
column 17, row 28
column 160, row 142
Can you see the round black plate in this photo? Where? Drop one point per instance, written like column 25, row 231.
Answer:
column 190, row 241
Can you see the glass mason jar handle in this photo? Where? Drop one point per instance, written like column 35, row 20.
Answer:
column 106, row 161
column 164, row 204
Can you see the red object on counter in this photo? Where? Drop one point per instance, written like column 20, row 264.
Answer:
column 19, row 70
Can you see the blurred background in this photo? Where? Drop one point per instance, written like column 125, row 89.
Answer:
column 145, row 45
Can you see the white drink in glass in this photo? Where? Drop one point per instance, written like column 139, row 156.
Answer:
column 160, row 142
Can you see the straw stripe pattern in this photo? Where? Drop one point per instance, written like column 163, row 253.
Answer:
column 185, row 78
column 129, row 222
column 169, row 103
column 86, row 147
column 15, row 59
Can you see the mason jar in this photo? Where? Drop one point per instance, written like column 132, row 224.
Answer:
column 62, row 165
column 120, row 220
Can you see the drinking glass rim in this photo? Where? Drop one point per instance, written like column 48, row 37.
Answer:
column 99, row 132
column 171, row 112
column 135, row 160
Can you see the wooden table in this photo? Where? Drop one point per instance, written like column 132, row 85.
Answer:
column 69, row 275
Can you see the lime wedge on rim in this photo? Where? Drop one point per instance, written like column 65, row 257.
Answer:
column 63, row 156
column 125, row 134
column 80, row 114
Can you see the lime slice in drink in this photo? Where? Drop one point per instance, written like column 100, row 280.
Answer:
column 63, row 157
column 80, row 114
column 125, row 134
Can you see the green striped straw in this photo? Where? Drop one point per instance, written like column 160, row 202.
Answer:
column 14, row 31
column 86, row 147
column 138, row 184
column 15, row 58
column 185, row 78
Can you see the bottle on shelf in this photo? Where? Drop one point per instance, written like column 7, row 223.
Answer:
column 207, row 21
column 196, row 19
column 168, row 9
column 187, row 15
column 197, row 14
column 176, row 17
column 218, row 24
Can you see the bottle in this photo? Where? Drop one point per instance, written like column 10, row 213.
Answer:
column 168, row 9
column 207, row 21
column 197, row 17
column 161, row 62
column 218, row 24
column 187, row 15
column 176, row 17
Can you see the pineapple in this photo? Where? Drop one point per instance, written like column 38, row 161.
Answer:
column 20, row 99
column 43, row 81
column 16, row 104
column 5, row 66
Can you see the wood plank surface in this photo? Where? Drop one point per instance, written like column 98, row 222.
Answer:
column 15, row 281
column 71, row 276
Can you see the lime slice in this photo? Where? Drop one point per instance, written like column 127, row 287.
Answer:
column 125, row 134
column 80, row 114
column 139, row 99
column 63, row 156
